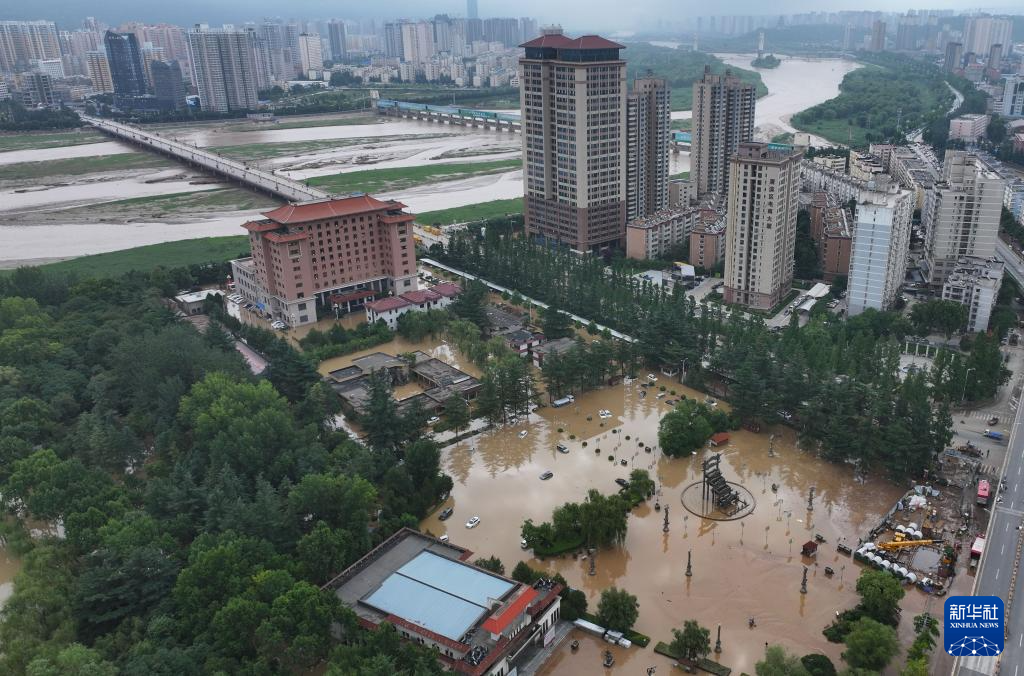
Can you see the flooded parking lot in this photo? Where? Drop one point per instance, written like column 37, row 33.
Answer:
column 746, row 568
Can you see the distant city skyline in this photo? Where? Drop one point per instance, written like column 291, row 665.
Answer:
column 579, row 15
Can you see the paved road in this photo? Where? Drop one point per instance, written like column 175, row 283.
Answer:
column 1014, row 265
column 997, row 561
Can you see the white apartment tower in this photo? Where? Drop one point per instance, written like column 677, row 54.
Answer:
column 224, row 65
column 310, row 53
column 763, row 192
column 648, row 118
column 723, row 117
column 961, row 214
column 573, row 102
column 881, row 242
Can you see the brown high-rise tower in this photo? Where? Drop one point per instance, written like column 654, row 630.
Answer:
column 723, row 117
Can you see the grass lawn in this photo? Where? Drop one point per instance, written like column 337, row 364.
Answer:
column 683, row 125
column 48, row 140
column 681, row 174
column 384, row 180
column 168, row 255
column 75, row 166
column 472, row 212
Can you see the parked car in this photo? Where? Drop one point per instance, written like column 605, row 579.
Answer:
column 443, row 538
column 622, row 482
column 433, row 420
column 523, row 544
column 547, row 474
column 445, row 513
column 473, row 522
column 562, row 448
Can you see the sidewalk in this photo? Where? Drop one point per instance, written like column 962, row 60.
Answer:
column 535, row 661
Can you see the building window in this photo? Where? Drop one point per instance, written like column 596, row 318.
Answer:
column 302, row 306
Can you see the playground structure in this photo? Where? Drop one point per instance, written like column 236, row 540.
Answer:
column 719, row 499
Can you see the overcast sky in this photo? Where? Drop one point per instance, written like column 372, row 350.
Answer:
column 573, row 14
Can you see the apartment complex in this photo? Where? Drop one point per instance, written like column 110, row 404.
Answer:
column 832, row 229
column 877, row 37
column 981, row 32
column 225, row 69
column 707, row 240
column 23, row 41
column 304, row 254
column 648, row 118
column 656, row 235
column 954, row 56
column 723, row 117
column 573, row 102
column 961, row 214
column 881, row 241
column 99, row 72
column 763, row 193
column 125, row 59
column 1013, row 96
column 969, row 127
column 974, row 283
column 168, row 84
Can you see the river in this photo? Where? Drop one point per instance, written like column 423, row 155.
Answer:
column 51, row 223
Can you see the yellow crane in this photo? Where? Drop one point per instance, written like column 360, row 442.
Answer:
column 906, row 543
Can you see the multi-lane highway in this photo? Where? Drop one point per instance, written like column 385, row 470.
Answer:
column 996, row 571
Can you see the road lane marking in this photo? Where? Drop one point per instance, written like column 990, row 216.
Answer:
column 1020, row 642
column 997, row 572
column 1002, row 549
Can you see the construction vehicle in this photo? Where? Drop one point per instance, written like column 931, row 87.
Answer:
column 906, row 543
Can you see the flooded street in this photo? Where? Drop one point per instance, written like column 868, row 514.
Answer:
column 746, row 568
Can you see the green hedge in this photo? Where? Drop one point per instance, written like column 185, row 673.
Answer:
column 559, row 547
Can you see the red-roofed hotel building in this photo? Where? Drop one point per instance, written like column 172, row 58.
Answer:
column 573, row 102
column 311, row 254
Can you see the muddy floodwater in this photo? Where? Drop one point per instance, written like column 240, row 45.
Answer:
column 746, row 568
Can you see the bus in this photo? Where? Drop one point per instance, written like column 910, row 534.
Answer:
column 983, row 491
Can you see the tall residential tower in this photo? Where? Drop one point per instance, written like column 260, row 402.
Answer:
column 760, row 241
column 648, row 118
column 573, row 101
column 723, row 117
column 225, row 69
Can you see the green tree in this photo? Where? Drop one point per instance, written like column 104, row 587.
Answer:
column 870, row 645
column 641, row 483
column 617, row 609
column 777, row 662
column 817, row 664
column 471, row 304
column 74, row 660
column 880, row 596
column 491, row 563
column 297, row 632
column 692, row 642
column 555, row 324
column 456, row 412
column 684, row 429
column 915, row 667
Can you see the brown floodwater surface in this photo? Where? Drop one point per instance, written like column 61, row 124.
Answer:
column 746, row 568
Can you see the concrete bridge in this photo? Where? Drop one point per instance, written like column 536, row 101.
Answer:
column 240, row 172
column 466, row 117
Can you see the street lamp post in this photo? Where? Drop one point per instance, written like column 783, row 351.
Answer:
column 963, row 395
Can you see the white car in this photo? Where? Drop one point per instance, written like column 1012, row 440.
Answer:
column 652, row 378
column 473, row 522
column 433, row 420
column 522, row 435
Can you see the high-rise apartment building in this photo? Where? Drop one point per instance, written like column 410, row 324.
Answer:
column 52, row 67
column 881, row 242
column 723, row 117
column 995, row 57
column 528, row 28
column 981, row 32
column 125, row 60
column 417, row 42
column 954, row 56
column 393, row 40
column 504, row 30
column 877, row 36
column 573, row 102
column 224, row 65
column 961, row 213
column 472, row 9
column 311, row 56
column 764, row 187
column 22, row 41
column 99, row 72
column 305, row 253
column 648, row 118
column 1013, row 96
column 37, row 89
column 338, row 38
column 168, row 84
